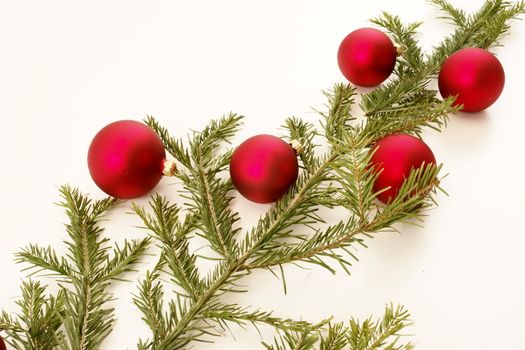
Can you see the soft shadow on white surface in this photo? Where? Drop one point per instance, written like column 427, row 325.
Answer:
column 467, row 132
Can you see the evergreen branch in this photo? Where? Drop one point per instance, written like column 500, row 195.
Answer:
column 411, row 116
column 186, row 328
column 305, row 133
column 312, row 250
column 384, row 333
column 9, row 324
column 124, row 258
column 87, row 322
column 404, row 35
column 278, row 219
column 216, row 218
column 296, row 207
column 356, row 179
column 203, row 163
column 165, row 226
column 335, row 338
column 380, row 334
column 304, row 339
column 79, row 318
column 224, row 313
column 354, row 174
column 500, row 25
column 294, row 341
column 338, row 117
column 208, row 190
column 299, row 205
column 87, row 250
column 388, row 95
column 173, row 145
column 182, row 333
column 482, row 29
column 37, row 325
column 84, row 274
column 413, row 198
column 478, row 31
column 150, row 303
column 206, row 142
column 455, row 15
column 41, row 258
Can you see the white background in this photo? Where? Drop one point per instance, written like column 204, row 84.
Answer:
column 67, row 68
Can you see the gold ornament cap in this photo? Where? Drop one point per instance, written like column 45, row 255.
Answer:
column 297, row 146
column 170, row 168
column 401, row 49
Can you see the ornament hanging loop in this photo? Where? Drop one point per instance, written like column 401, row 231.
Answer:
column 297, row 146
column 169, row 168
column 401, row 49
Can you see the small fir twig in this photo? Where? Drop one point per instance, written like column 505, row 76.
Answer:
column 78, row 316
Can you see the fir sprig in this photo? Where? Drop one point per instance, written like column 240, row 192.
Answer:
column 383, row 333
column 78, row 316
column 292, row 231
column 275, row 240
column 37, row 326
column 483, row 29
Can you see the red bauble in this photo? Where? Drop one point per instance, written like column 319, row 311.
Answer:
column 395, row 156
column 263, row 168
column 367, row 57
column 475, row 75
column 126, row 159
column 2, row 344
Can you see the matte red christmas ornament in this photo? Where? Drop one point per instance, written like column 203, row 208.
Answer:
column 395, row 156
column 263, row 168
column 475, row 75
column 2, row 344
column 367, row 57
column 126, row 159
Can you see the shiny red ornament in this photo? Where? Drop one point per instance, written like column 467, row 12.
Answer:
column 367, row 57
column 475, row 75
column 2, row 344
column 395, row 156
column 263, row 168
column 126, row 159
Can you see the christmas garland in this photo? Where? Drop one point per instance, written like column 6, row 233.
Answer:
column 360, row 167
